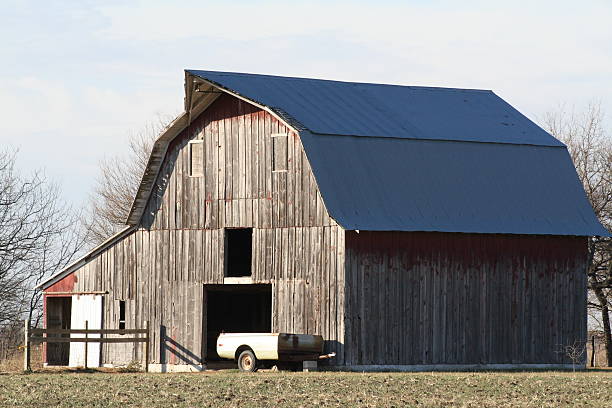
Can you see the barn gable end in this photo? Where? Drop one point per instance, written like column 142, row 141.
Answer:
column 160, row 269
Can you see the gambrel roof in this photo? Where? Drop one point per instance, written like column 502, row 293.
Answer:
column 404, row 158
column 390, row 111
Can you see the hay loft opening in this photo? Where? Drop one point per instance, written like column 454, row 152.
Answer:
column 238, row 252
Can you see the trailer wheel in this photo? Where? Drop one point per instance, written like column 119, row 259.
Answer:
column 247, row 361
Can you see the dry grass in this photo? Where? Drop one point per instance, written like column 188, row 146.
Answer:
column 233, row 389
column 14, row 364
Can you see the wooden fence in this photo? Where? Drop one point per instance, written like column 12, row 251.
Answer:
column 40, row 335
column 596, row 350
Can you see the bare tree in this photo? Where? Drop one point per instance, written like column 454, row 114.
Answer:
column 118, row 182
column 591, row 150
column 37, row 239
column 575, row 352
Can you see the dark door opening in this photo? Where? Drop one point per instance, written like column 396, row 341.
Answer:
column 238, row 252
column 58, row 310
column 236, row 309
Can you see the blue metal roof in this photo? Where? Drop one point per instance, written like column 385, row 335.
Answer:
column 361, row 109
column 419, row 168
column 383, row 184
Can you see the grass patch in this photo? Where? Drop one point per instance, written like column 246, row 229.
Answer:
column 14, row 363
column 327, row 389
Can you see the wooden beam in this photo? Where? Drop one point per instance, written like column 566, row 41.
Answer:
column 76, row 293
column 89, row 340
column 90, row 331
column 86, row 341
column 147, row 347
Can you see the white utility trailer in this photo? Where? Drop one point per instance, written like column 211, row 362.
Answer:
column 248, row 349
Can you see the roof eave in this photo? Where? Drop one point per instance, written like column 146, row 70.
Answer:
column 284, row 118
column 158, row 152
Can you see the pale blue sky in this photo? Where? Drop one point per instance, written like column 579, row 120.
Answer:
column 76, row 77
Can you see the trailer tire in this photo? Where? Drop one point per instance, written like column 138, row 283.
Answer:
column 247, row 361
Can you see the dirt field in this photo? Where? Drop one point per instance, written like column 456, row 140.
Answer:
column 280, row 389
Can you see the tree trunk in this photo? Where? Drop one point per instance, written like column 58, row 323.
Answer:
column 605, row 321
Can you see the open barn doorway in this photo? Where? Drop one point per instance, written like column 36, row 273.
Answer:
column 236, row 309
column 58, row 313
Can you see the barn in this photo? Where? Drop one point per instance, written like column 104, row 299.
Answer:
column 412, row 227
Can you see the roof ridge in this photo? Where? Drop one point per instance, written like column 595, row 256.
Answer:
column 416, row 87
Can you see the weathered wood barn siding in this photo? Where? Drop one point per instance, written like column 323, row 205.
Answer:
column 385, row 298
column 160, row 270
column 439, row 298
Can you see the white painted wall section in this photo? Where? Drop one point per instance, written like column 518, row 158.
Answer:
column 85, row 307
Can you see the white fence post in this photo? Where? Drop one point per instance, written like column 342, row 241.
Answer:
column 26, row 346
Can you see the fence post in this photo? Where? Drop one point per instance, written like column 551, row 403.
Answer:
column 86, row 342
column 147, row 347
column 592, row 351
column 26, row 346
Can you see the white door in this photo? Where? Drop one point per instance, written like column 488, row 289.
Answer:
column 85, row 307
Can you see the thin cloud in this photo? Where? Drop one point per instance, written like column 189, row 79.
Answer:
column 77, row 78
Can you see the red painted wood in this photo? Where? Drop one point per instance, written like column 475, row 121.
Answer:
column 64, row 285
column 472, row 298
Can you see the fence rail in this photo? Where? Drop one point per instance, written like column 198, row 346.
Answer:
column 90, row 331
column 42, row 335
column 89, row 339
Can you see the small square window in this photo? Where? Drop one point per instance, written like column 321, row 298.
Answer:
column 196, row 158
column 279, row 151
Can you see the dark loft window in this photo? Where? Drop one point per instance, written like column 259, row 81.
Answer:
column 122, row 315
column 238, row 250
